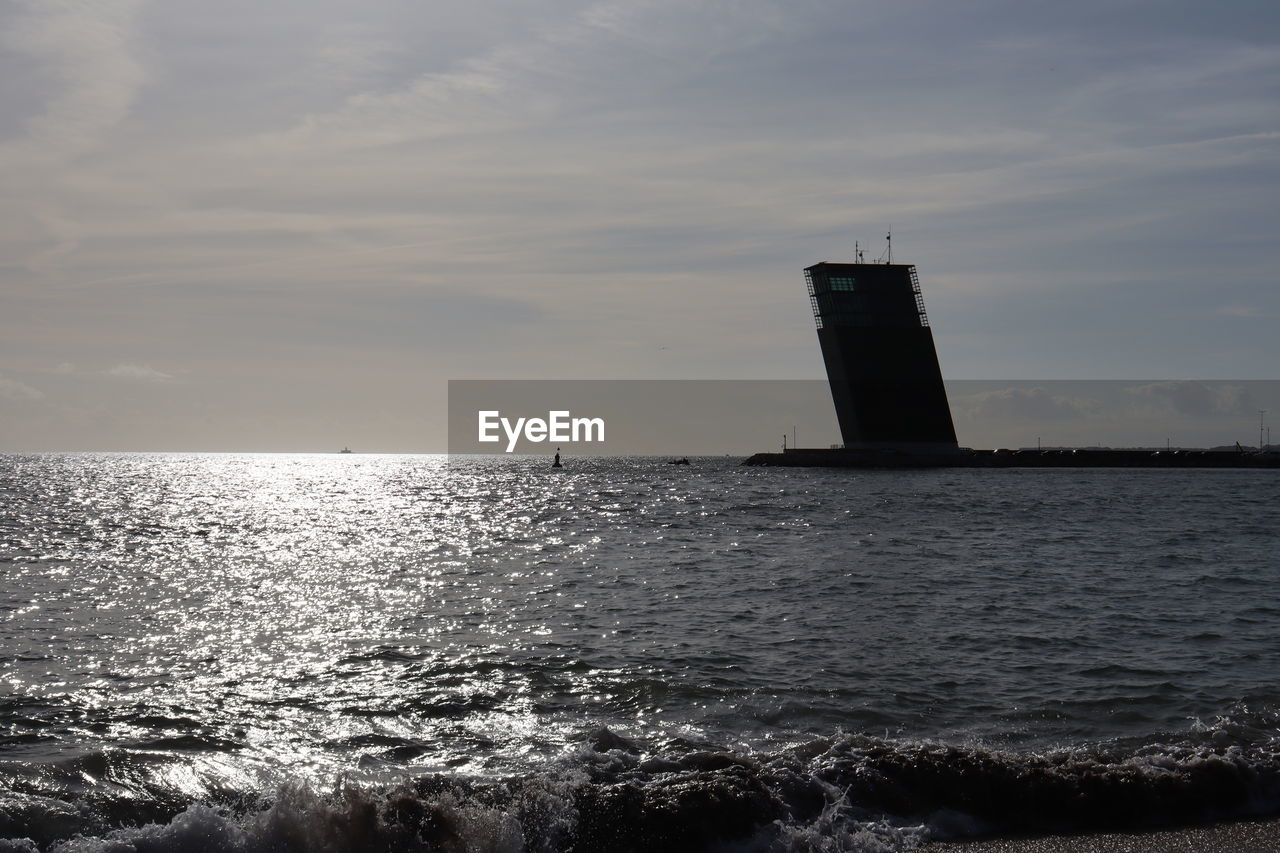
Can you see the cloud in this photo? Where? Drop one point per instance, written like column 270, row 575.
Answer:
column 12, row 389
column 1025, row 404
column 138, row 373
column 86, row 47
column 84, row 78
column 1195, row 398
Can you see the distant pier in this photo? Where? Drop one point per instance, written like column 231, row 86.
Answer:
column 1030, row 458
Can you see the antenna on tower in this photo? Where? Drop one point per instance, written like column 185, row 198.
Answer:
column 886, row 257
column 857, row 253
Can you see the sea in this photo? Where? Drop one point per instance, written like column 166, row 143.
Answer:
column 351, row 652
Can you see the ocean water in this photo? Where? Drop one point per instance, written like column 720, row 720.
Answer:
column 347, row 652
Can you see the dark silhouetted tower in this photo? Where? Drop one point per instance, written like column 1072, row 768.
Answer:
column 880, row 357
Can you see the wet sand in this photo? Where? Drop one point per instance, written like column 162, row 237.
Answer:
column 1243, row 837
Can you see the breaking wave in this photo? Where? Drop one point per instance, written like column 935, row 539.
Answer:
column 842, row 793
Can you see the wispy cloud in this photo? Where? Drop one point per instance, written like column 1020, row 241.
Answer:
column 13, row 390
column 1195, row 398
column 85, row 47
column 81, row 59
column 138, row 373
column 1022, row 403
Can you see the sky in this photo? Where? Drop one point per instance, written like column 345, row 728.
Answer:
column 285, row 226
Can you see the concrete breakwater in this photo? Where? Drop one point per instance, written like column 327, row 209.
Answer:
column 1029, row 458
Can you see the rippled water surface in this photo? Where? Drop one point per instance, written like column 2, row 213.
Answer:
column 188, row 631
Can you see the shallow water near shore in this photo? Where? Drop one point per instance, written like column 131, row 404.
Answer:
column 346, row 652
